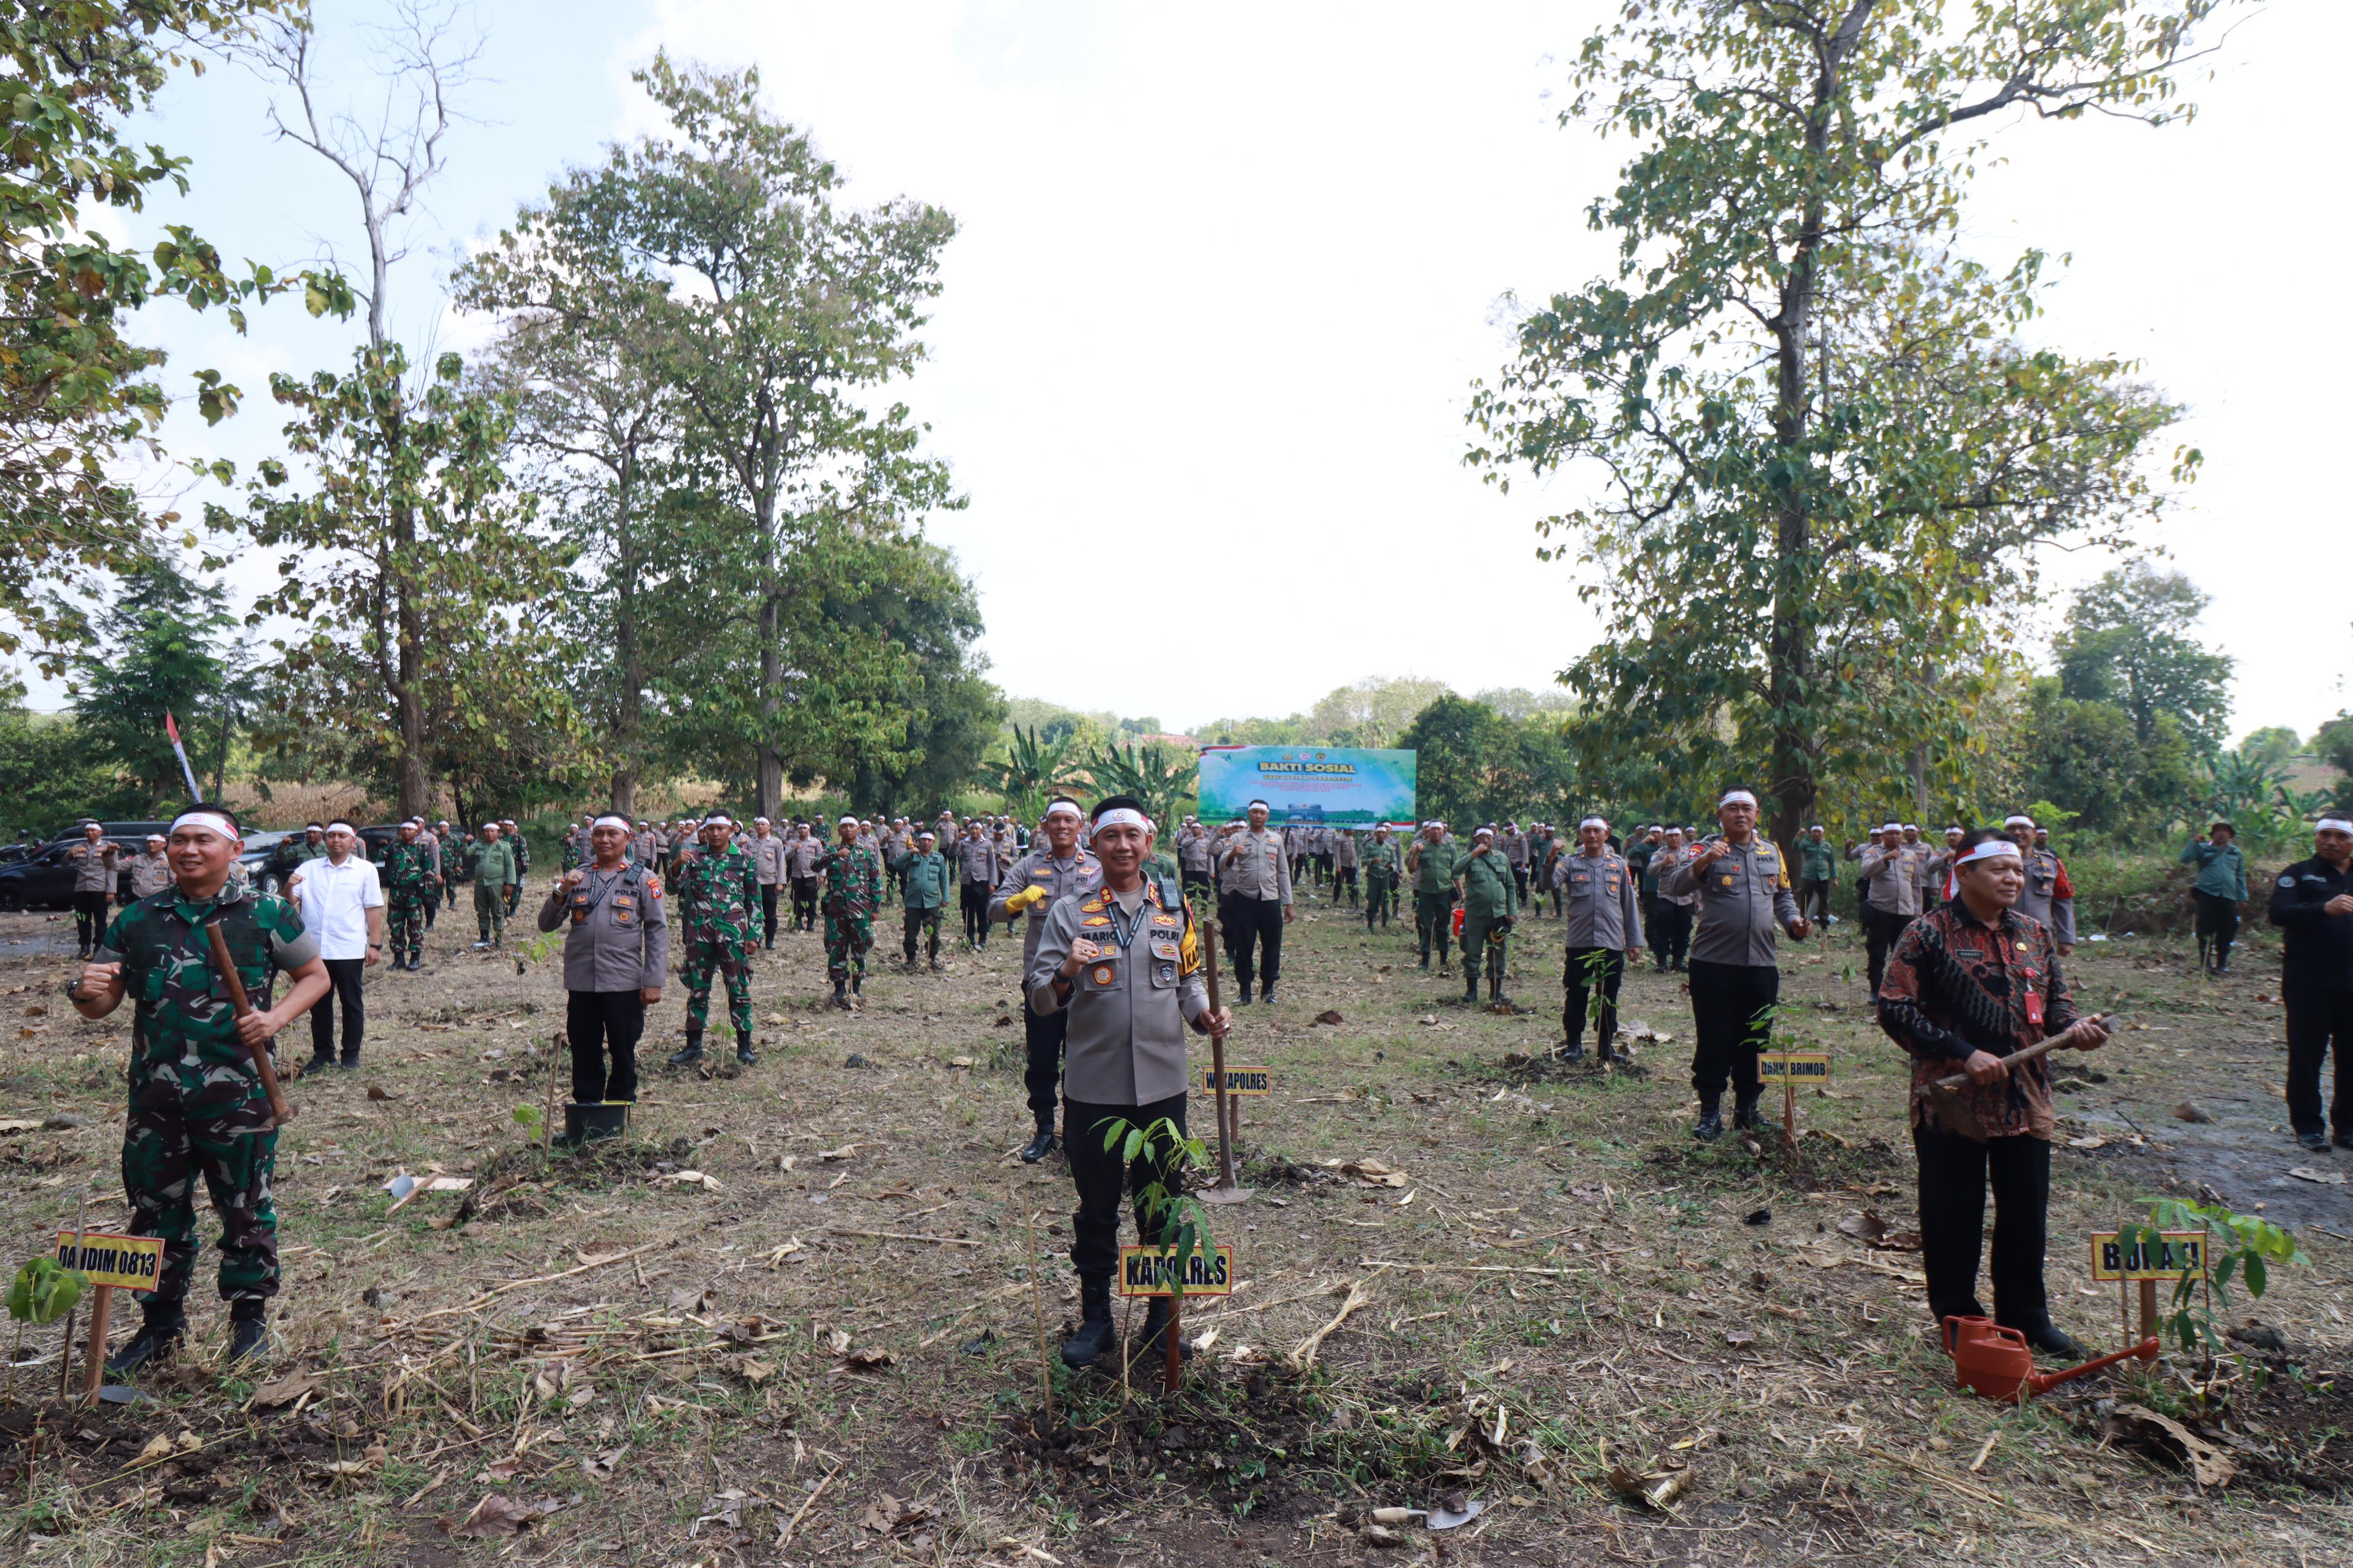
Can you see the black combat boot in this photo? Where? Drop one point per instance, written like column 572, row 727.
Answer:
column 1745, row 1114
column 1150, row 1346
column 857, row 982
column 248, row 1335
column 840, row 998
column 691, row 1054
column 157, row 1342
column 1244, row 999
column 2053, row 1340
column 1266, row 994
column 1471, row 985
column 1573, row 1048
column 1040, row 1146
column 744, row 1053
column 1710, row 1126
column 1096, row 1332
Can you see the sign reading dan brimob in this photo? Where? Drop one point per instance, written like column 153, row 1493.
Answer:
column 1154, row 1271
column 1317, row 786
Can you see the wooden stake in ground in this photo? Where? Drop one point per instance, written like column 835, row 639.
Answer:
column 94, row 1370
column 561, row 1048
column 1172, row 1370
column 1038, row 1308
column 65, row 1350
column 1229, row 1189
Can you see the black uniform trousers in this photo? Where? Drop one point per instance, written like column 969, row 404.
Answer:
column 1257, row 928
column 1042, row 1076
column 973, row 897
column 1879, row 930
column 1101, row 1175
column 917, row 922
column 1344, row 877
column 768, row 892
column 89, row 918
column 2218, row 924
column 1954, row 1175
column 2318, row 1019
column 805, row 903
column 1671, row 934
column 1731, row 1021
column 344, row 976
column 1591, row 970
column 598, row 1024
column 1814, row 899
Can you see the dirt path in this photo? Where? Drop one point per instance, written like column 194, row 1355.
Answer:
column 794, row 1320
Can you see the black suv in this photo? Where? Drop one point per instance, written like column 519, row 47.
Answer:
column 42, row 881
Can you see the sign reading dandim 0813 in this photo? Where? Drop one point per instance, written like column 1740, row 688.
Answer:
column 125, row 1262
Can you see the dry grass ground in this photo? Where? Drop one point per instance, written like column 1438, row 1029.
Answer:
column 824, row 1348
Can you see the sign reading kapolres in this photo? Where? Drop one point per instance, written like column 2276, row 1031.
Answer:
column 1319, row 786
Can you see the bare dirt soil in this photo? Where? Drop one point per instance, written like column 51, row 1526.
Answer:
column 794, row 1317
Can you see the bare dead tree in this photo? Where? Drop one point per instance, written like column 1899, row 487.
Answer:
column 423, row 57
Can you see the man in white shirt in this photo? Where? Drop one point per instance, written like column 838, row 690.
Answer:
column 342, row 899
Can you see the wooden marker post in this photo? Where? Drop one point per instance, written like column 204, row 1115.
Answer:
column 1229, row 1188
column 111, row 1262
column 2180, row 1255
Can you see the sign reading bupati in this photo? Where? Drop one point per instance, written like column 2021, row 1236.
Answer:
column 1238, row 1080
column 125, row 1262
column 1155, row 1271
column 2179, row 1254
column 1319, row 786
column 1794, row 1066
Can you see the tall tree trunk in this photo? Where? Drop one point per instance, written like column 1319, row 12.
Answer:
column 629, row 719
column 772, row 678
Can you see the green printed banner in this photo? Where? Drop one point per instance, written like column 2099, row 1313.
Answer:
column 1324, row 786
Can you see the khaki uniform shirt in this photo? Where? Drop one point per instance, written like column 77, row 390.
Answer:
column 1345, row 851
column 976, row 859
column 2040, row 900
column 93, row 866
column 150, row 874
column 1663, row 860
column 1893, row 879
column 801, row 857
column 1082, row 873
column 1514, row 846
column 1744, row 901
column 1253, row 865
column 767, row 859
column 1600, row 902
column 1128, row 1008
column 615, row 936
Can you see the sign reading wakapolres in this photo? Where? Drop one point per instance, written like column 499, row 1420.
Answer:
column 1321, row 786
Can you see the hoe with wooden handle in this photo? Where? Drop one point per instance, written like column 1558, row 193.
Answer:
column 1952, row 1108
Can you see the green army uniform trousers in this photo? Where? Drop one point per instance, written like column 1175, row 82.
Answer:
column 1482, row 940
column 404, row 922
column 721, row 951
column 490, row 911
column 846, row 938
column 164, row 1149
column 1377, row 886
column 1432, row 915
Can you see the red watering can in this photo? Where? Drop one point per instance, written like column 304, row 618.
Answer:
column 1998, row 1363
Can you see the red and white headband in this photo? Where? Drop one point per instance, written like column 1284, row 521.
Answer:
column 1118, row 815
column 211, row 821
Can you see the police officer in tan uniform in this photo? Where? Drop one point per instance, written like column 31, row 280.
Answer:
column 1742, row 886
column 1254, row 875
column 1120, row 963
column 1597, row 890
column 1056, row 868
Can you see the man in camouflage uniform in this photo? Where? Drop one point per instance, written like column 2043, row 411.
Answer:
column 718, row 897
column 406, row 870
column 853, row 889
column 197, row 1106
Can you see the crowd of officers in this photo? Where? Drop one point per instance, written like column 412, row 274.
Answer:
column 1966, row 936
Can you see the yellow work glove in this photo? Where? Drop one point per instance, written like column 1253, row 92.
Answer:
column 1033, row 894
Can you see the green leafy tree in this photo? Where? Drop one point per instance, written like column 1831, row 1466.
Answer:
column 1463, row 768
column 1032, row 769
column 2087, row 757
column 75, row 391
column 1371, row 712
column 2333, row 745
column 1819, row 449
column 778, row 315
column 156, row 649
column 2276, row 745
column 2124, row 642
column 1164, row 777
column 599, row 426
column 50, row 772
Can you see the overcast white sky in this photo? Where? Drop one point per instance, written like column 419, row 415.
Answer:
column 1225, row 273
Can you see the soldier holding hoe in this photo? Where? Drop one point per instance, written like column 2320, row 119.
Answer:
column 199, row 1100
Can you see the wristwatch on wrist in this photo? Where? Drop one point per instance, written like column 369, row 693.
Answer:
column 72, row 988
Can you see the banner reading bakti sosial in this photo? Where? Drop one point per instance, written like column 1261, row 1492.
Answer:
column 1327, row 785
